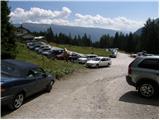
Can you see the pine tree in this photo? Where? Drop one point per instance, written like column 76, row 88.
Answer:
column 150, row 36
column 8, row 46
column 49, row 35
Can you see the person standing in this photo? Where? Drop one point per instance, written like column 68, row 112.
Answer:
column 66, row 54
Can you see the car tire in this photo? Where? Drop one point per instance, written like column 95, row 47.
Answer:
column 49, row 86
column 97, row 65
column 17, row 101
column 147, row 89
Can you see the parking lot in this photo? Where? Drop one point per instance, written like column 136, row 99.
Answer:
column 92, row 93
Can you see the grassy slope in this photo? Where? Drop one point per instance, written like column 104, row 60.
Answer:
column 58, row 68
column 84, row 50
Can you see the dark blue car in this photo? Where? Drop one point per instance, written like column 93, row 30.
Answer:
column 21, row 79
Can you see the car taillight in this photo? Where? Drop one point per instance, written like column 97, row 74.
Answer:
column 129, row 69
column 2, row 89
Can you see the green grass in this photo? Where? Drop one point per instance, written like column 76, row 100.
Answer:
column 59, row 68
column 84, row 50
column 56, row 67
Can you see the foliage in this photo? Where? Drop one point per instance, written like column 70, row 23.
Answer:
column 148, row 40
column 150, row 36
column 8, row 46
column 56, row 67
column 49, row 35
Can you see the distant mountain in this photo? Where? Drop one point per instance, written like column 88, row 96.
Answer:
column 139, row 31
column 94, row 33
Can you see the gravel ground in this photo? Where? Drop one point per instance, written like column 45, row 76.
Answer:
column 93, row 93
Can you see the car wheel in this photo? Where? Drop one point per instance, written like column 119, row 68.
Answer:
column 147, row 89
column 97, row 66
column 49, row 86
column 17, row 101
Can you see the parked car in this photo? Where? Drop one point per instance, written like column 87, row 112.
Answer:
column 143, row 53
column 31, row 41
column 99, row 62
column 43, row 50
column 60, row 56
column 114, row 53
column 133, row 55
column 33, row 46
column 52, row 53
column 39, row 48
column 34, row 43
column 84, row 59
column 143, row 73
column 21, row 79
column 74, row 57
column 30, row 44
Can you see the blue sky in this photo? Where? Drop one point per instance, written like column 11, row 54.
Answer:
column 88, row 14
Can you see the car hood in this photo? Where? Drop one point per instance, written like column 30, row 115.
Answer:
column 6, row 78
column 92, row 62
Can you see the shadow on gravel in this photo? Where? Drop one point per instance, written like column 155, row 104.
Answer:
column 133, row 97
column 5, row 110
column 100, row 67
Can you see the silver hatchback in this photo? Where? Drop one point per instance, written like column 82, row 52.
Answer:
column 143, row 73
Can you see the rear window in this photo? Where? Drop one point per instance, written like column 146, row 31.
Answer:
column 150, row 64
column 7, row 68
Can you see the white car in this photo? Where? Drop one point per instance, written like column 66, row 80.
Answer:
column 84, row 59
column 99, row 62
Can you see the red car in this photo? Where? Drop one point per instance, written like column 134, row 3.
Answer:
column 61, row 56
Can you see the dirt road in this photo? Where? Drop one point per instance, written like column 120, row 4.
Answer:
column 94, row 93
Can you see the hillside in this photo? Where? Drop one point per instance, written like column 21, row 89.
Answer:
column 59, row 68
column 94, row 33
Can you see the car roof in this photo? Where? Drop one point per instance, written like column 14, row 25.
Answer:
column 22, row 66
column 152, row 56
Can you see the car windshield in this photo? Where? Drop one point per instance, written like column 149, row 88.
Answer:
column 45, row 49
column 96, row 59
column 9, row 70
column 91, row 56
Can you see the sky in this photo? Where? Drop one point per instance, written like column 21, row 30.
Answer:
column 124, row 15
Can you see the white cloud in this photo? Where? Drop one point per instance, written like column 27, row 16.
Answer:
column 118, row 23
column 39, row 15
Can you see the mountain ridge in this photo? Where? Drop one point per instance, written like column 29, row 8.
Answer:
column 94, row 33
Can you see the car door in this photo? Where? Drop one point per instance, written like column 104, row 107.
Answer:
column 30, row 86
column 41, row 79
column 107, row 61
column 102, row 62
column 149, row 68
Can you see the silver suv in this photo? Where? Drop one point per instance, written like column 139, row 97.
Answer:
column 143, row 73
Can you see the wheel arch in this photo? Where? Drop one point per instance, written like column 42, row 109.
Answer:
column 143, row 80
column 21, row 91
